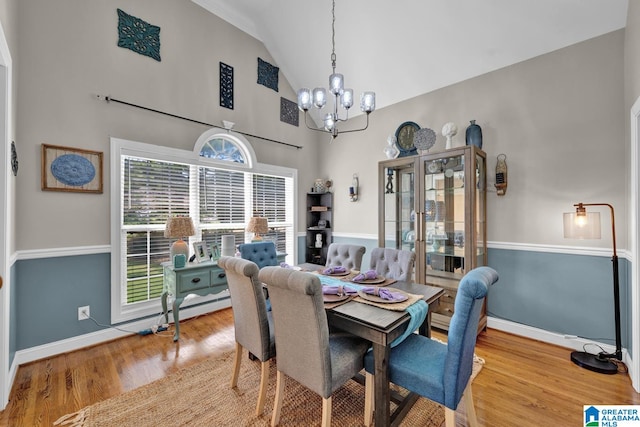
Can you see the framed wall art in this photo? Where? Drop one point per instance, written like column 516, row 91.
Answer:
column 71, row 169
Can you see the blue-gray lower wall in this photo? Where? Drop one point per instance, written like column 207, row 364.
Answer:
column 567, row 294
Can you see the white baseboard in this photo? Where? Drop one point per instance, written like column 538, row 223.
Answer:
column 568, row 341
column 107, row 334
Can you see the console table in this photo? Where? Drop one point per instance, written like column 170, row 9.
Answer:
column 194, row 278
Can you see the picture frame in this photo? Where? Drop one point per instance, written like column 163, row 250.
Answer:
column 215, row 252
column 201, row 251
column 71, row 169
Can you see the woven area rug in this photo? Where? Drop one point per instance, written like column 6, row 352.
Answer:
column 200, row 396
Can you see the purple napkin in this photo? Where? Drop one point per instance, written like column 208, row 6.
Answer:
column 338, row 290
column 368, row 275
column 334, row 270
column 384, row 293
column 285, row 265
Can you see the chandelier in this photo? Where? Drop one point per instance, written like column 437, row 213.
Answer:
column 342, row 96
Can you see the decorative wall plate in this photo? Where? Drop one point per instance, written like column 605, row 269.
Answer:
column 404, row 138
column 424, row 139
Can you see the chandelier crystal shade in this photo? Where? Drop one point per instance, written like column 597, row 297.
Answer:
column 341, row 96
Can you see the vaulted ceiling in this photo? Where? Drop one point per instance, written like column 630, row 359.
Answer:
column 404, row 48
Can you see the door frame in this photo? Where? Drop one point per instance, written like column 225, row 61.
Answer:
column 6, row 195
column 634, row 245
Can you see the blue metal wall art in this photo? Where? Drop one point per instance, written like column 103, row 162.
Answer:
column 138, row 35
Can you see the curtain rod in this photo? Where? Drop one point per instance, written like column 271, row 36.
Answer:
column 110, row 99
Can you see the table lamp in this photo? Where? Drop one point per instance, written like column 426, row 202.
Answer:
column 179, row 227
column 586, row 225
column 258, row 225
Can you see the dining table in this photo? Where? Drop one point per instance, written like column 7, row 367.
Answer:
column 381, row 327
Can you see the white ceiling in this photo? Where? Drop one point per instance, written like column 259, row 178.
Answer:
column 404, row 48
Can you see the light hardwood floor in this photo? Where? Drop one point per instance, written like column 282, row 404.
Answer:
column 523, row 383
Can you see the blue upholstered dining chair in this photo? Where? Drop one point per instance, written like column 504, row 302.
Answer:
column 438, row 371
column 345, row 255
column 252, row 322
column 262, row 253
column 393, row 263
column 307, row 353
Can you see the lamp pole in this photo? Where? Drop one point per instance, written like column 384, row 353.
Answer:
column 603, row 358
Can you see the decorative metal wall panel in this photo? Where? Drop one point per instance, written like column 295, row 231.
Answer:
column 138, row 35
column 289, row 112
column 268, row 75
column 226, row 86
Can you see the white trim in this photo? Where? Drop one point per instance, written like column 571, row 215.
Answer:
column 60, row 252
column 7, row 199
column 634, row 244
column 108, row 334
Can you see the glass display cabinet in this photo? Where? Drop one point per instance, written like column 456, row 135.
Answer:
column 435, row 204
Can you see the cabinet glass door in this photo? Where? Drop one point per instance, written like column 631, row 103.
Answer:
column 398, row 213
column 444, row 216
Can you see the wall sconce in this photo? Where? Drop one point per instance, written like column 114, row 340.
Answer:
column 353, row 190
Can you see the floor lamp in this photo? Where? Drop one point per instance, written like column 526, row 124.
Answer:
column 583, row 225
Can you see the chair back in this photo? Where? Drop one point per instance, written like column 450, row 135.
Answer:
column 393, row 263
column 301, row 327
column 348, row 256
column 463, row 330
column 250, row 317
column 262, row 253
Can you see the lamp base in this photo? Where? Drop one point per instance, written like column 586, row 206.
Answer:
column 594, row 363
column 179, row 247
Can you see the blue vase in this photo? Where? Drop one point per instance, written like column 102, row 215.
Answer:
column 474, row 134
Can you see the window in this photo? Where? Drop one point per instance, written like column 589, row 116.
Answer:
column 220, row 189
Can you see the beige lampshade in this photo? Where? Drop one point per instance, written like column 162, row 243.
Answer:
column 179, row 227
column 258, row 225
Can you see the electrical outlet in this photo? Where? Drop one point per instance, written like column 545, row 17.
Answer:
column 84, row 312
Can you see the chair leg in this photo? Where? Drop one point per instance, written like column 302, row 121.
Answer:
column 262, row 392
column 467, row 398
column 326, row 412
column 369, row 399
column 236, row 365
column 277, row 405
column 449, row 417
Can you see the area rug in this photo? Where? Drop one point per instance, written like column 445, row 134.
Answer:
column 200, row 396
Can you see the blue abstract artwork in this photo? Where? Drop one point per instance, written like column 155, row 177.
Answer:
column 289, row 112
column 226, row 86
column 138, row 35
column 268, row 75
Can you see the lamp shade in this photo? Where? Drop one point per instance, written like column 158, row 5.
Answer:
column 258, row 225
column 585, row 225
column 179, row 227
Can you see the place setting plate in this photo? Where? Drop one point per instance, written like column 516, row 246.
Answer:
column 375, row 298
column 377, row 280
column 335, row 298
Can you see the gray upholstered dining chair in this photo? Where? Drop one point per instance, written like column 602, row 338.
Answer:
column 393, row 263
column 438, row 371
column 348, row 256
column 252, row 322
column 307, row 352
column 262, row 253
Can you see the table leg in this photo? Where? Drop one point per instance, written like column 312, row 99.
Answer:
column 425, row 328
column 163, row 298
column 176, row 318
column 381, row 385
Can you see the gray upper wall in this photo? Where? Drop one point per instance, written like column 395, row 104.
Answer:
column 68, row 53
column 559, row 118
